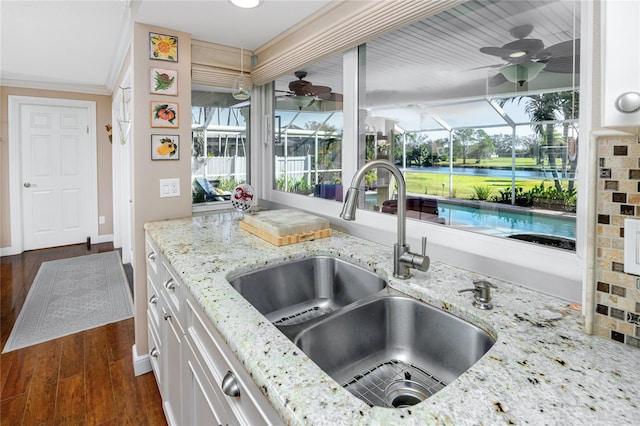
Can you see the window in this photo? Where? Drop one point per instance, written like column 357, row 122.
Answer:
column 308, row 131
column 483, row 121
column 220, row 146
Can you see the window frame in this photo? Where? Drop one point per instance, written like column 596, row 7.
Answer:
column 552, row 271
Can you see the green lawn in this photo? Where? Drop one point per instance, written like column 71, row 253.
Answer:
column 495, row 162
column 463, row 186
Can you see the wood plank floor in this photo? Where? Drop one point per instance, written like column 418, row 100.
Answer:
column 83, row 379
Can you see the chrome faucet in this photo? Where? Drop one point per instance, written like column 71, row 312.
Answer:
column 403, row 259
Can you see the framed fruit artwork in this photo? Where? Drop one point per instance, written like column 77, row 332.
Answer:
column 164, row 114
column 163, row 82
column 165, row 147
column 163, row 47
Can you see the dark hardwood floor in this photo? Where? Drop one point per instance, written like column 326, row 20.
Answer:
column 83, row 379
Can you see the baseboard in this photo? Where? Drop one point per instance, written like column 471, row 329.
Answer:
column 141, row 364
column 9, row 251
column 106, row 238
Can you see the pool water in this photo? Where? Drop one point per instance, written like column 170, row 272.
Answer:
column 502, row 221
column 505, row 223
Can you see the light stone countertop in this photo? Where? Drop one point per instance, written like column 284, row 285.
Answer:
column 542, row 369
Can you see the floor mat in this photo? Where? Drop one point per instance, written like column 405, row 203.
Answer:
column 72, row 295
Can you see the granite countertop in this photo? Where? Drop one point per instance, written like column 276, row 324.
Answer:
column 542, row 369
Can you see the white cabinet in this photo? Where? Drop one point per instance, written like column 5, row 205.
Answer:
column 620, row 62
column 165, row 332
column 200, row 379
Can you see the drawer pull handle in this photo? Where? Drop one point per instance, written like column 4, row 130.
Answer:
column 230, row 385
column 151, row 256
column 154, row 352
column 170, row 284
column 153, row 299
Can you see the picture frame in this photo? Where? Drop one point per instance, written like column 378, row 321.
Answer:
column 163, row 81
column 165, row 114
column 163, row 47
column 165, row 147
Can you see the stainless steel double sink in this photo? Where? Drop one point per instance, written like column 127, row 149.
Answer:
column 388, row 350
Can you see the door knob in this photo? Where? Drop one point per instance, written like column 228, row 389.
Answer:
column 27, row 185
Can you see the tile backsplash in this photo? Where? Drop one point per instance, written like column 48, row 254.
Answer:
column 617, row 297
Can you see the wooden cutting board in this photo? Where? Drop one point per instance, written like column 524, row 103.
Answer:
column 286, row 226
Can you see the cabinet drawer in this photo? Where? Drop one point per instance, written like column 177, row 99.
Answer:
column 153, row 304
column 155, row 353
column 250, row 406
column 174, row 293
column 154, row 264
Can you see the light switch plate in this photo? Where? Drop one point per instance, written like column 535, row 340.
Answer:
column 632, row 246
column 170, row 187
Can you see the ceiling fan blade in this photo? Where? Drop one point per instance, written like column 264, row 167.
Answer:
column 562, row 64
column 497, row 51
column 521, row 31
column 561, row 49
column 497, row 80
column 485, row 67
column 319, row 90
column 331, row 96
column 529, row 45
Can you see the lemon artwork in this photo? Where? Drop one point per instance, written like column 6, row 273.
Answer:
column 167, row 147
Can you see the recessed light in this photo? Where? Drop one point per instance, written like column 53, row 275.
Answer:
column 518, row 54
column 246, row 4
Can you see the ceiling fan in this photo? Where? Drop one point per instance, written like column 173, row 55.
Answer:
column 303, row 93
column 527, row 57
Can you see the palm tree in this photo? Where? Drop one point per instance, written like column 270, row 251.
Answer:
column 543, row 109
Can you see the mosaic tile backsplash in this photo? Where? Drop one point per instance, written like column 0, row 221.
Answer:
column 617, row 297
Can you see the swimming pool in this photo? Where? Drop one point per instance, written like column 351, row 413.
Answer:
column 500, row 220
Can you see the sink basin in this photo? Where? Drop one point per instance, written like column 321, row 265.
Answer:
column 296, row 292
column 393, row 351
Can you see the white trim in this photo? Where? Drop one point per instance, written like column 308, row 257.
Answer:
column 60, row 87
column 15, row 161
column 8, row 251
column 141, row 364
column 105, row 238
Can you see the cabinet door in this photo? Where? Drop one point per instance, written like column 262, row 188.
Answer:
column 248, row 406
column 202, row 404
column 171, row 360
column 621, row 61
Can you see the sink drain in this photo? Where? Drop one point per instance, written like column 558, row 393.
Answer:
column 405, row 393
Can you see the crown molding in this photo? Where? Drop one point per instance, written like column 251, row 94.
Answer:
column 61, row 87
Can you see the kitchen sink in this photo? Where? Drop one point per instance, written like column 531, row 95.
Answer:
column 393, row 351
column 295, row 292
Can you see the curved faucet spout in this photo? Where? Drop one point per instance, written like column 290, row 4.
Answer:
column 351, row 199
column 403, row 259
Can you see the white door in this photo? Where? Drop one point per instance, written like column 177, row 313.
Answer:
column 56, row 175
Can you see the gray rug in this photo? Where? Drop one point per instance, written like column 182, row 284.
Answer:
column 72, row 295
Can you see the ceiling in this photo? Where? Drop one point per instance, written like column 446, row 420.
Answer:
column 83, row 46
column 438, row 59
column 80, row 45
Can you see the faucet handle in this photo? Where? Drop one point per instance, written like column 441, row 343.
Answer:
column 424, row 246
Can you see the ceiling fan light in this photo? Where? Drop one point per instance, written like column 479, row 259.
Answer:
column 518, row 54
column 246, row 4
column 522, row 73
column 301, row 101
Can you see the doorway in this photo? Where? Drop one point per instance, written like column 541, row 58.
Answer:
column 53, row 172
